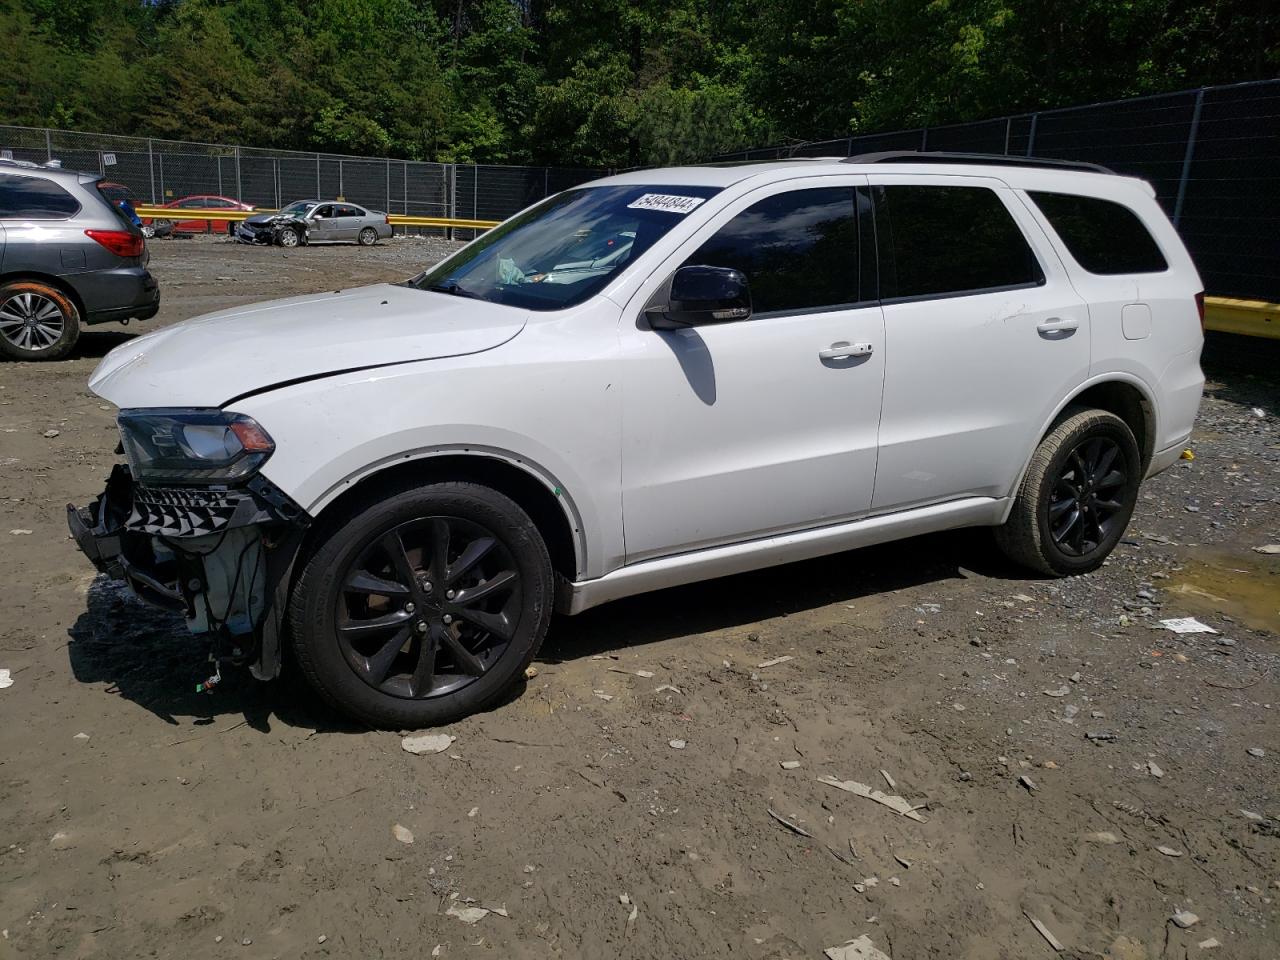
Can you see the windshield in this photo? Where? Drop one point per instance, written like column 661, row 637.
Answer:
column 565, row 249
column 299, row 207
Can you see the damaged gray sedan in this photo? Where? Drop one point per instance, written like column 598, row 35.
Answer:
column 315, row 221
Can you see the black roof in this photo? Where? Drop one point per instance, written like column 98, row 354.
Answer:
column 988, row 159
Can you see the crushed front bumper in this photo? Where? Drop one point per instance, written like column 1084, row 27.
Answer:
column 221, row 556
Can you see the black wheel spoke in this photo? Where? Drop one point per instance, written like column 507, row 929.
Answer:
column 498, row 583
column 373, row 626
column 424, row 673
column 362, row 581
column 1058, row 507
column 1060, row 534
column 1103, row 466
column 495, row 623
column 1113, row 479
column 379, row 665
column 440, row 551
column 475, row 551
column 467, row 661
column 399, row 557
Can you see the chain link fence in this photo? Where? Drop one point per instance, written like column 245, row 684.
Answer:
column 159, row 171
column 1212, row 154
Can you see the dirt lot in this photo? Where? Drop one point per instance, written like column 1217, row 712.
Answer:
column 139, row 819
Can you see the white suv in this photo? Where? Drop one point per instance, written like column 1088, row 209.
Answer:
column 652, row 379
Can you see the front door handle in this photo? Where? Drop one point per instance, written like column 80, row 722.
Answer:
column 843, row 350
column 1058, row 325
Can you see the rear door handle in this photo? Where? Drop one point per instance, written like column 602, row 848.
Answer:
column 1057, row 325
column 843, row 350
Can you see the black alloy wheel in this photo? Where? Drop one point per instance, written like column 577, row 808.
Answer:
column 1087, row 496
column 1077, row 495
column 428, row 607
column 417, row 605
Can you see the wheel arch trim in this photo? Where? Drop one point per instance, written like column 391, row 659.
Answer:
column 59, row 283
column 561, row 494
column 1128, row 379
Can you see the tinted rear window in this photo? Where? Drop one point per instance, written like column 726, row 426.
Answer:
column 34, row 198
column 941, row 241
column 1103, row 236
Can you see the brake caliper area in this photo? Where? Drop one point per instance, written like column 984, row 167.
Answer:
column 220, row 555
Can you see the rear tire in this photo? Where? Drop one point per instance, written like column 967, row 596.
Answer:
column 367, row 237
column 422, row 605
column 1077, row 496
column 37, row 321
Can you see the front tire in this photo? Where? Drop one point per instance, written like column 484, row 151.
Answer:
column 422, row 606
column 1077, row 496
column 289, row 237
column 37, row 321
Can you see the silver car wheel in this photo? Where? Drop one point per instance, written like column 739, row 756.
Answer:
column 289, row 238
column 148, row 230
column 30, row 321
column 368, row 237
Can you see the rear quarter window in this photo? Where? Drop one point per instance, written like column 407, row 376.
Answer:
column 943, row 241
column 34, row 198
column 1104, row 237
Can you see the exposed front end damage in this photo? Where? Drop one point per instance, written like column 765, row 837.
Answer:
column 220, row 555
column 272, row 230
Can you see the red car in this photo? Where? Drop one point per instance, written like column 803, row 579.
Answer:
column 204, row 202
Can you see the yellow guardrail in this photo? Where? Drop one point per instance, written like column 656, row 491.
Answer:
column 148, row 212
column 1251, row 318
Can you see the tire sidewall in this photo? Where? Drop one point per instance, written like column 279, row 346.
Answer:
column 313, row 623
column 1100, row 425
column 70, row 322
column 367, row 237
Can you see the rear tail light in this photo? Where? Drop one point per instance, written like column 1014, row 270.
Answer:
column 387, row 219
column 120, row 242
column 1200, row 308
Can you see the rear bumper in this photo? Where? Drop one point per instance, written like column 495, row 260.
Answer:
column 1162, row 460
column 126, row 293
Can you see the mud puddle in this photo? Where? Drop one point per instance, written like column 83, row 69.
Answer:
column 1243, row 587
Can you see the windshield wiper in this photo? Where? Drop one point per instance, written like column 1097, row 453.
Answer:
column 452, row 287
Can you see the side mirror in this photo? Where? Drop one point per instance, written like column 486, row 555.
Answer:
column 700, row 295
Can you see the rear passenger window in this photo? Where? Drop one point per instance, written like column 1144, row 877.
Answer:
column 35, row 199
column 942, row 241
column 1103, row 236
column 799, row 250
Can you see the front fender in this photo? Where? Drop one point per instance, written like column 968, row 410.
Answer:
column 332, row 433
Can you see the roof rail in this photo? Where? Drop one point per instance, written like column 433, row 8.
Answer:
column 991, row 159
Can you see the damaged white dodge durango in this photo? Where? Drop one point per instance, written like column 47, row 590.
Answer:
column 652, row 379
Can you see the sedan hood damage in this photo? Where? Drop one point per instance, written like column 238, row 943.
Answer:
column 209, row 361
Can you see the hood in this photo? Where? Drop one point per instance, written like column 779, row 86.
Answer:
column 265, row 219
column 210, row 360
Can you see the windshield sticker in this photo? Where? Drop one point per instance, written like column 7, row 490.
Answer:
column 666, row 202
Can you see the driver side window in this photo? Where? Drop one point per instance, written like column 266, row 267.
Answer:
column 799, row 250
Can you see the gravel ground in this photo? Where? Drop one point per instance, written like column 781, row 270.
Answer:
column 1063, row 757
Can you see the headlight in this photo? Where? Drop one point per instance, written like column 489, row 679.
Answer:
column 192, row 445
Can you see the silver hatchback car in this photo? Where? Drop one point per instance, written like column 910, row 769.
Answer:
column 69, row 256
column 316, row 221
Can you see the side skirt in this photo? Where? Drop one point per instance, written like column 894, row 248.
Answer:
column 784, row 548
